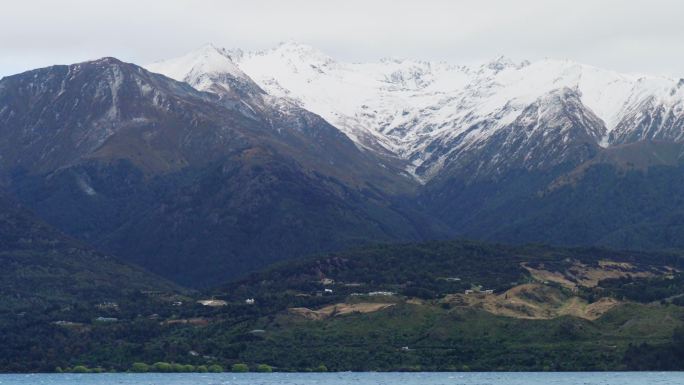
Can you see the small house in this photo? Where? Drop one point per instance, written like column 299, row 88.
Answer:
column 212, row 302
column 107, row 306
column 381, row 293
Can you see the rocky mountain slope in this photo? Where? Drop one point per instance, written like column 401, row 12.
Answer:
column 196, row 186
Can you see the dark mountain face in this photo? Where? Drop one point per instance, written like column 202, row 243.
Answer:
column 547, row 181
column 552, row 136
column 625, row 197
column 54, row 117
column 251, row 209
column 192, row 185
column 42, row 267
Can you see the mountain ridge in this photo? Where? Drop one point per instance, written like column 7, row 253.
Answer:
column 407, row 108
column 244, row 175
column 158, row 172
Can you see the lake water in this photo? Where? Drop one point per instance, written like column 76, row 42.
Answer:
column 611, row 378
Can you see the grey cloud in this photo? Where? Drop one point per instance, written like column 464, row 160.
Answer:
column 634, row 36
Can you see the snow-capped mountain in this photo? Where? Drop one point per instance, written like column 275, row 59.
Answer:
column 214, row 70
column 209, row 69
column 435, row 115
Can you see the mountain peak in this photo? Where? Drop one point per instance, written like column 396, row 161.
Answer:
column 106, row 61
column 208, row 50
column 301, row 52
column 293, row 45
column 198, row 67
column 502, row 62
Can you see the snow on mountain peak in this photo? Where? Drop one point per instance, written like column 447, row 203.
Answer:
column 299, row 52
column 408, row 107
column 199, row 67
column 502, row 62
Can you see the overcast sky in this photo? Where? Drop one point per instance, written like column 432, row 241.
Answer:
column 632, row 36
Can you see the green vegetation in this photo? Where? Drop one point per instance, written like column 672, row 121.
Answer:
column 417, row 330
column 439, row 339
column 645, row 289
column 239, row 368
column 80, row 369
column 424, row 270
column 263, row 368
column 165, row 367
column 162, row 367
column 44, row 269
column 140, row 367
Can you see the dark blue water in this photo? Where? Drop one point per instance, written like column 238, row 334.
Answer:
column 614, row 378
